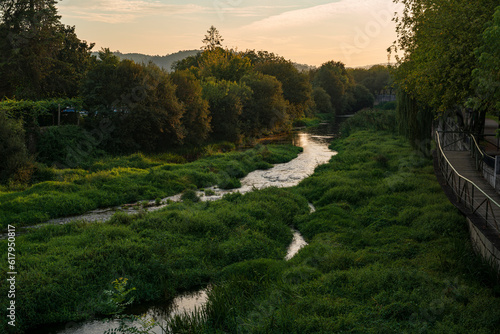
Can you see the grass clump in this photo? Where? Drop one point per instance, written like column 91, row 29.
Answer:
column 190, row 195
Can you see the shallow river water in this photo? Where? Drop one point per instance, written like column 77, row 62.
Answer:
column 316, row 152
column 315, row 144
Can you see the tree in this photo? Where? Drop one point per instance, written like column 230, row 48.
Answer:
column 140, row 101
column 223, row 65
column 38, row 54
column 257, row 57
column 377, row 78
column 358, row 97
column 218, row 63
column 297, row 89
column 153, row 115
column 322, row 101
column 196, row 118
column 486, row 77
column 212, row 39
column 438, row 40
column 335, row 80
column 102, row 86
column 266, row 111
column 226, row 101
column 72, row 61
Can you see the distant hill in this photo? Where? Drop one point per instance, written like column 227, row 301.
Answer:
column 304, row 67
column 367, row 67
column 167, row 61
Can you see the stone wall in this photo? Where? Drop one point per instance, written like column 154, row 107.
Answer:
column 487, row 247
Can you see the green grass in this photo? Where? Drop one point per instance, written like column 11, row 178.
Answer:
column 64, row 270
column 388, row 253
column 120, row 180
column 313, row 121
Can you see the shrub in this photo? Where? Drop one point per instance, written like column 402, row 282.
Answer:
column 15, row 161
column 190, row 195
column 370, row 119
column 66, row 146
column 229, row 182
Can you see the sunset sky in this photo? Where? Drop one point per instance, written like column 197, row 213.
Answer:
column 356, row 32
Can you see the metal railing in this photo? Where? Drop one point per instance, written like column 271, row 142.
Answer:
column 457, row 140
column 485, row 163
column 466, row 191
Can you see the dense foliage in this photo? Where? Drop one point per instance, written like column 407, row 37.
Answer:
column 448, row 57
column 64, row 271
column 377, row 78
column 39, row 56
column 217, row 94
column 15, row 164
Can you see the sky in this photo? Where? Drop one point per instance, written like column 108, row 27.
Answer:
column 355, row 32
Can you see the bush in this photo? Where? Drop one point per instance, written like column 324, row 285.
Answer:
column 66, row 146
column 15, row 162
column 370, row 119
column 228, row 182
column 190, row 195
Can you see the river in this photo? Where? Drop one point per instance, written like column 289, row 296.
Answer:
column 314, row 141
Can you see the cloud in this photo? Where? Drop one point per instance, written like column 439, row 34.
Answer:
column 248, row 11
column 315, row 14
column 119, row 11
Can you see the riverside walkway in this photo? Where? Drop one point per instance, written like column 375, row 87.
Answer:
column 470, row 183
column 464, row 164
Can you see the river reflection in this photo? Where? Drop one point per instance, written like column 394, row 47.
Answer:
column 289, row 174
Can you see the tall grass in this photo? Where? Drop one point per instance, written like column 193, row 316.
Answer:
column 116, row 181
column 64, row 270
column 388, row 254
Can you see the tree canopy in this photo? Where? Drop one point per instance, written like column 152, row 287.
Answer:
column 39, row 56
column 439, row 48
column 333, row 77
column 216, row 94
column 376, row 79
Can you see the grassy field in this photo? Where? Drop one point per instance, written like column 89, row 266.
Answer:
column 388, row 254
column 63, row 271
column 115, row 181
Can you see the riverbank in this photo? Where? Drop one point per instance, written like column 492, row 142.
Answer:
column 123, row 180
column 387, row 253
